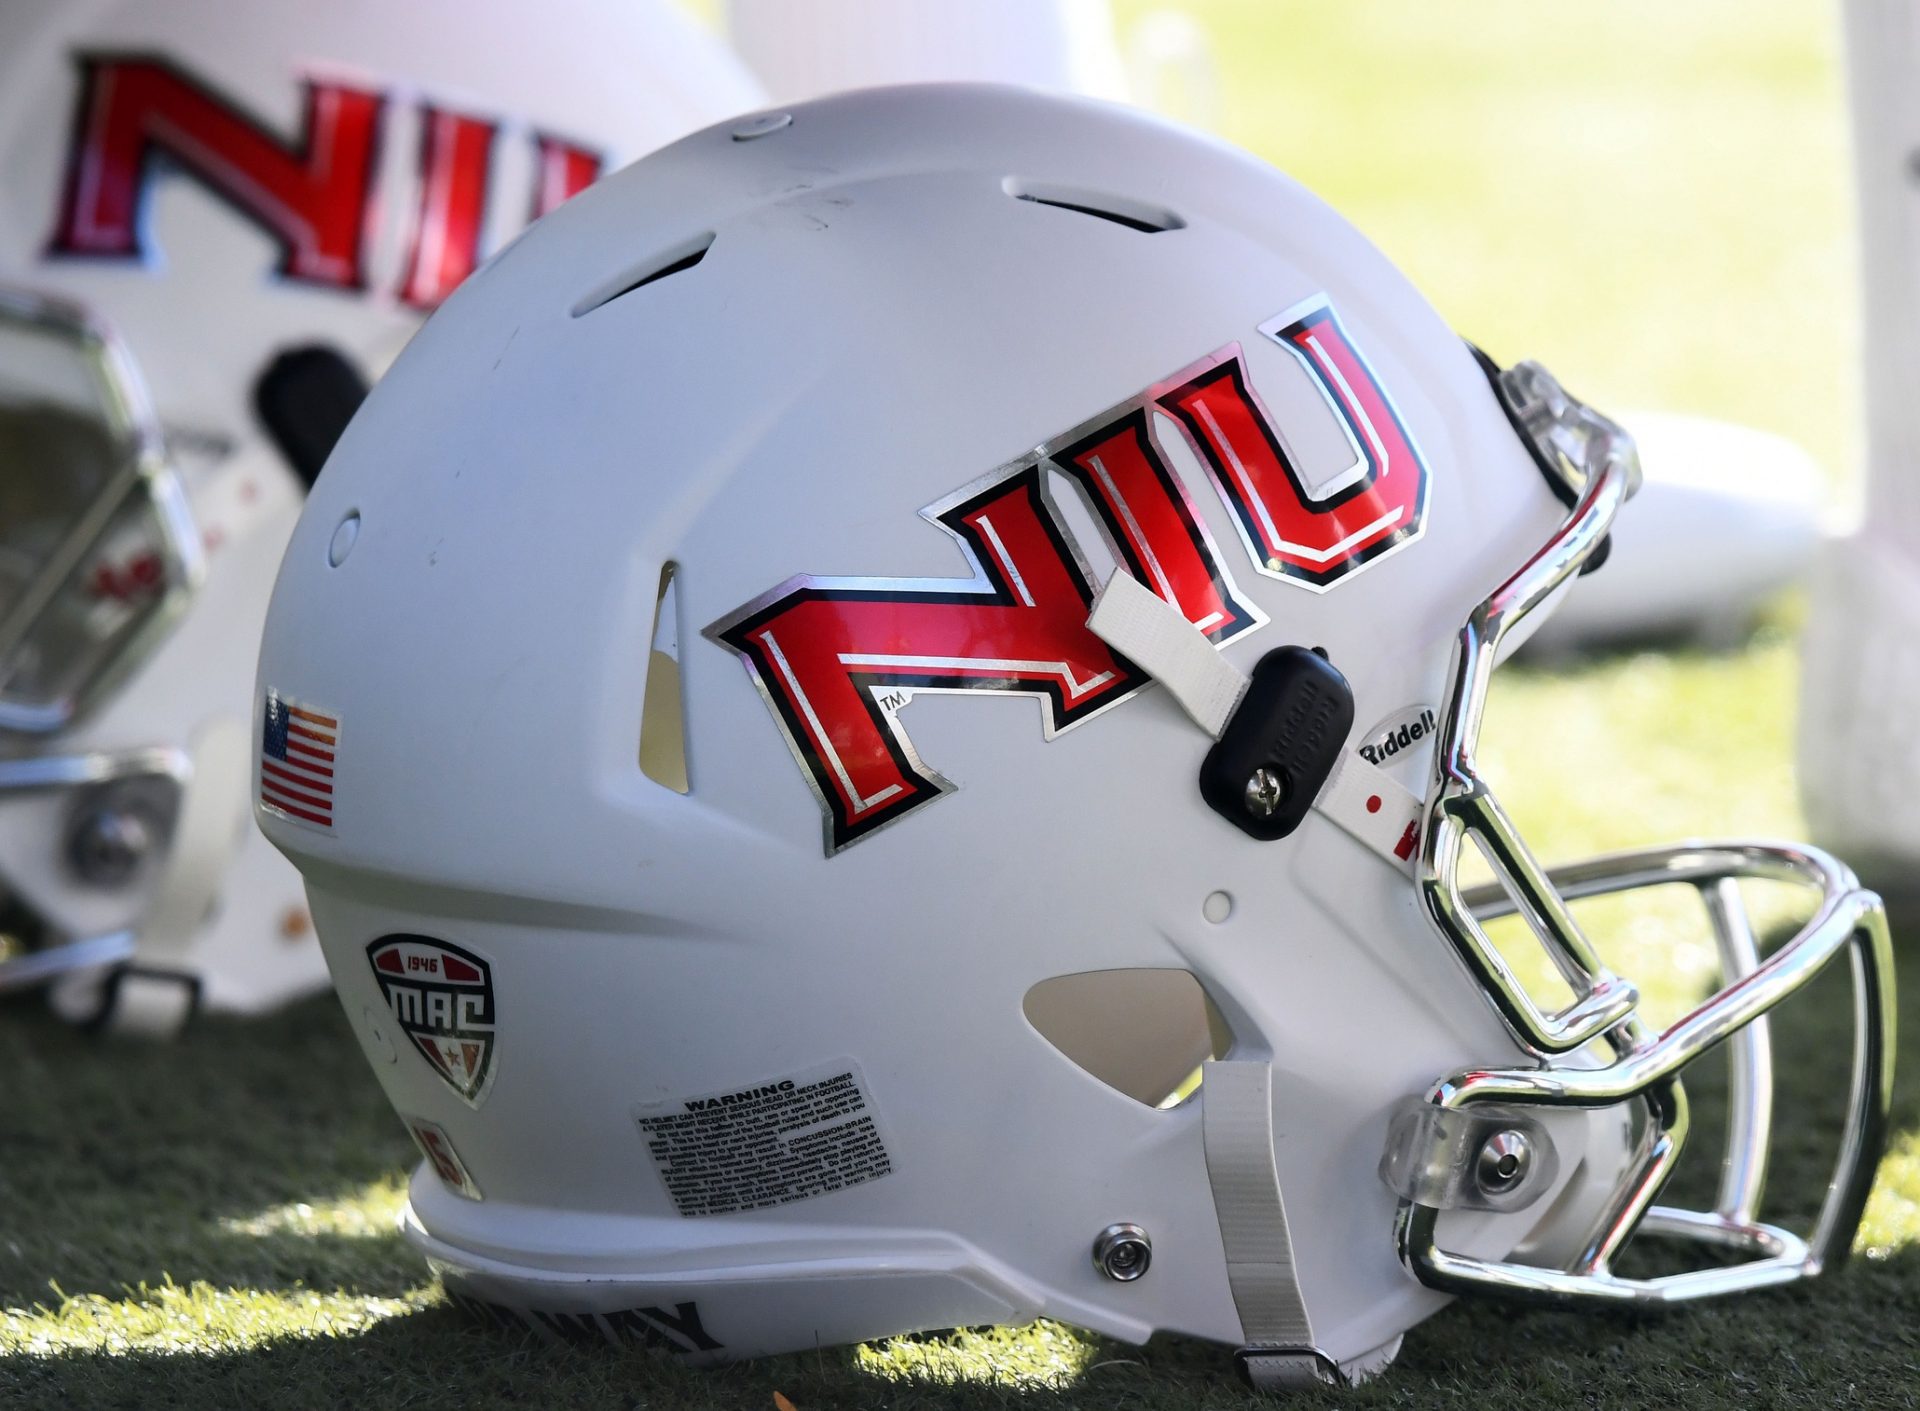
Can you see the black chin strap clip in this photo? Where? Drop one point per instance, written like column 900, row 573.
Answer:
column 1281, row 743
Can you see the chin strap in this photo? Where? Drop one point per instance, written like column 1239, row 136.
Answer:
column 1236, row 1119
column 1236, row 1096
column 1144, row 627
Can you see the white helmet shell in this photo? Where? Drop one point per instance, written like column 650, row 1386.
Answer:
column 741, row 1011
column 218, row 189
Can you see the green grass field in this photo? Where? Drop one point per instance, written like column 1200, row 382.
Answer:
column 1635, row 193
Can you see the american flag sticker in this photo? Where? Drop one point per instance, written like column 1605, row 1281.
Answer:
column 299, row 751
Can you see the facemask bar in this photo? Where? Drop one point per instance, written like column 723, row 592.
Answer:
column 143, row 486
column 1591, row 452
column 1598, row 457
column 55, row 355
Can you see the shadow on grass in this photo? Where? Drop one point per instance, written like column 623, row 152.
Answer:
column 1847, row 1341
column 122, row 1163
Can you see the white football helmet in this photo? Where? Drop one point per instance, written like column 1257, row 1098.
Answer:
column 219, row 218
column 746, row 1010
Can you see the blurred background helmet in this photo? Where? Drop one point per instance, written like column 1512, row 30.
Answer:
column 219, row 219
column 753, row 980
column 826, row 46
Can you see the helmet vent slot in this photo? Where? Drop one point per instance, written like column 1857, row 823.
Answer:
column 1142, row 216
column 675, row 260
column 1142, row 1032
column 663, row 711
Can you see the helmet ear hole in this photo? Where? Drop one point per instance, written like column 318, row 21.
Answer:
column 1142, row 1032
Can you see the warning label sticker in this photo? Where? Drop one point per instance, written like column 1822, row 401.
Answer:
column 769, row 1144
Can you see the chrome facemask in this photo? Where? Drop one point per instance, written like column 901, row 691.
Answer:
column 98, row 556
column 1471, row 1141
column 97, row 549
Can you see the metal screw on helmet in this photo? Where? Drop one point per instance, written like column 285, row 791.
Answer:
column 1122, row 1252
column 108, row 846
column 1503, row 1162
column 1266, row 791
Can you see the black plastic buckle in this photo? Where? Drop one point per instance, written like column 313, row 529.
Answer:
column 1283, row 741
column 305, row 399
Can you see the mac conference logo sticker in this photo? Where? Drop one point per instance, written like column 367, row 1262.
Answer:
column 442, row 998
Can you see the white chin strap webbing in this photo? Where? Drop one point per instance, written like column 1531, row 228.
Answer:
column 1236, row 1121
column 1236, row 1096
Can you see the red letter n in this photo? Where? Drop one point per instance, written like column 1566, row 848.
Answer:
column 310, row 195
column 837, row 658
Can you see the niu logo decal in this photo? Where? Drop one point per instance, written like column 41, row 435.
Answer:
column 838, row 658
column 139, row 116
column 442, row 998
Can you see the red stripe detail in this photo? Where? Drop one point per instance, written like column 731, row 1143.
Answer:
column 325, row 820
column 295, row 786
column 389, row 961
column 315, row 813
column 294, row 776
column 313, row 750
column 1409, row 840
column 453, row 198
column 305, row 733
column 564, row 171
column 458, row 969
column 319, row 769
column 311, row 718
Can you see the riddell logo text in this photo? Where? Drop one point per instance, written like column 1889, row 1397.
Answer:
column 1395, row 740
column 838, row 659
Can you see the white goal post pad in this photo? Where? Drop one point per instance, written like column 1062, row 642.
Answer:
column 1860, row 682
column 802, row 51
column 1726, row 518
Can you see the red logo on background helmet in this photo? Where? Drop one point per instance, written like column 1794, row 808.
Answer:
column 838, row 658
column 312, row 192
